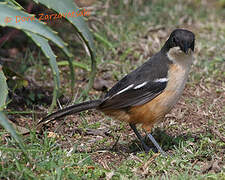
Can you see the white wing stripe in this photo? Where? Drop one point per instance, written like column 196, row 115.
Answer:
column 125, row 89
column 140, row 85
column 161, row 80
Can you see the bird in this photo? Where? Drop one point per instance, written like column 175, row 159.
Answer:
column 148, row 93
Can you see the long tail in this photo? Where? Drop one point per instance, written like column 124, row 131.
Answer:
column 76, row 108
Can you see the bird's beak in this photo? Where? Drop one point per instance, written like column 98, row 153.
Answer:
column 185, row 48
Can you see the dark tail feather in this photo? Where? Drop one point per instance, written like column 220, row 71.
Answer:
column 76, row 108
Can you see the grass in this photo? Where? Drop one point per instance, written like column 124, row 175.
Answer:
column 192, row 134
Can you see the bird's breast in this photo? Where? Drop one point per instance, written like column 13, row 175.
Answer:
column 153, row 111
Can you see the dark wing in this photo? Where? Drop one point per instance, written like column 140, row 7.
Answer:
column 134, row 97
column 140, row 86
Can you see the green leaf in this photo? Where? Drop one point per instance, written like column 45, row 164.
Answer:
column 66, row 7
column 33, row 26
column 46, row 49
column 3, row 120
column 15, row 17
column 13, row 2
column 75, row 63
column 8, row 127
column 103, row 40
column 3, row 89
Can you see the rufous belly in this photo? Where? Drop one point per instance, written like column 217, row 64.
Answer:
column 155, row 110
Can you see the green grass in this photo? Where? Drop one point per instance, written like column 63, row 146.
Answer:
column 49, row 160
column 191, row 133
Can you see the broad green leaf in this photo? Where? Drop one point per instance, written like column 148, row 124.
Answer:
column 46, row 49
column 15, row 17
column 10, row 15
column 3, row 89
column 8, row 127
column 67, row 8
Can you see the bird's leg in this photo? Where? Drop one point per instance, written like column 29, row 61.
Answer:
column 156, row 144
column 133, row 127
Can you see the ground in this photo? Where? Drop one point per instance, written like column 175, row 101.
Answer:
column 91, row 145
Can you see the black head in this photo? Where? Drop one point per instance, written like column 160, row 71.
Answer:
column 181, row 38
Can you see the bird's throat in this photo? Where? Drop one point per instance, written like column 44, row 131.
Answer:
column 179, row 57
